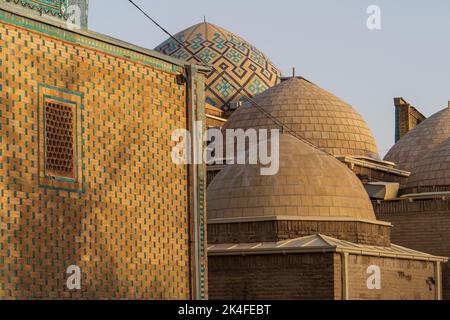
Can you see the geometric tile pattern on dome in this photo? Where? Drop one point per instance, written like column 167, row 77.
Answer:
column 314, row 114
column 310, row 183
column 129, row 229
column 432, row 172
column 417, row 143
column 239, row 69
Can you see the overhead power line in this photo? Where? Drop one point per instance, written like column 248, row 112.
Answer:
column 276, row 121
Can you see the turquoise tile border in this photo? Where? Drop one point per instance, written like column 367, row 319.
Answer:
column 53, row 7
column 96, row 41
column 200, row 116
column 79, row 157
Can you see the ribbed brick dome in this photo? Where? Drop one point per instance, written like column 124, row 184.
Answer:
column 309, row 184
column 432, row 173
column 417, row 143
column 314, row 114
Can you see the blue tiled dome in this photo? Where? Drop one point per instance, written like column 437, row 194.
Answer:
column 239, row 69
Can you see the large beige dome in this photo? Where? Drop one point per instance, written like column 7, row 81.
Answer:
column 432, row 173
column 309, row 184
column 314, row 114
column 417, row 143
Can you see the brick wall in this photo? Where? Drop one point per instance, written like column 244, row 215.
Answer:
column 211, row 174
column 421, row 225
column 318, row 276
column 266, row 231
column 369, row 174
column 400, row 279
column 125, row 220
column 406, row 118
column 306, row 276
column 214, row 123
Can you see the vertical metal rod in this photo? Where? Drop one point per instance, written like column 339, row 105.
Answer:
column 438, row 277
column 344, row 270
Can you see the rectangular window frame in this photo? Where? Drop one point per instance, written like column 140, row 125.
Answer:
column 61, row 101
column 46, row 180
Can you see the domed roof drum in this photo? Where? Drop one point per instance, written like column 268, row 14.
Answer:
column 420, row 141
column 309, row 184
column 314, row 114
column 239, row 69
column 432, row 173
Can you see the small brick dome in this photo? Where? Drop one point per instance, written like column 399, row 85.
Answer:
column 417, row 143
column 432, row 172
column 314, row 114
column 310, row 183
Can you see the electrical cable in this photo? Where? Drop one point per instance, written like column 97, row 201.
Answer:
column 276, row 121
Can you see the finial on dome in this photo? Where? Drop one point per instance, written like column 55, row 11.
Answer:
column 204, row 19
column 293, row 72
column 449, row 104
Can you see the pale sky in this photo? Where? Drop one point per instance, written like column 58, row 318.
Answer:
column 326, row 40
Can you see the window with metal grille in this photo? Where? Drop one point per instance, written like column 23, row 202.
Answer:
column 59, row 140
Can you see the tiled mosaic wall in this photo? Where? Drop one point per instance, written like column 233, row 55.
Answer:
column 58, row 9
column 124, row 220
